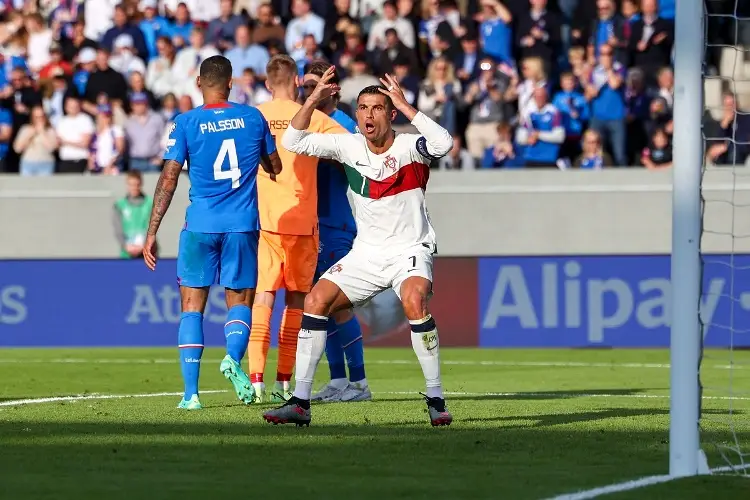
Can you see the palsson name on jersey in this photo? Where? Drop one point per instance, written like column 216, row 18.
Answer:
column 334, row 210
column 222, row 144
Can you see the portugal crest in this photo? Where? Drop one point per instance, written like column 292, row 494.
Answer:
column 390, row 163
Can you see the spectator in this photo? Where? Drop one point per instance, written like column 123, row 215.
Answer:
column 85, row 67
column 55, row 66
column 577, row 61
column 63, row 16
column 390, row 20
column 137, row 85
column 161, row 78
column 651, row 39
column 407, row 9
column 337, row 23
column 638, row 101
column 6, row 133
column 605, row 92
column 108, row 144
column 223, row 29
column 409, row 83
column 608, row 29
column 248, row 90
column 130, row 217
column 72, row 47
column 181, row 27
column 36, row 143
column 169, row 108
column 246, row 54
column 502, row 154
column 152, row 26
column 496, row 31
column 574, row 110
column 143, row 130
column 659, row 154
column 39, row 42
column 439, row 94
column 353, row 46
column 722, row 149
column 54, row 100
column 430, row 19
column 124, row 59
column 467, row 63
column 665, row 82
column 395, row 49
column 304, row 22
column 486, row 99
column 201, row 11
column 99, row 16
column 538, row 33
column 23, row 96
column 660, row 116
column 104, row 80
column 74, row 133
column 359, row 78
column 310, row 54
column 593, row 157
column 123, row 26
column 267, row 27
column 631, row 12
column 542, row 133
column 187, row 64
column 532, row 71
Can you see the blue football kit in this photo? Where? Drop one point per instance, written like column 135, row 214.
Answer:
column 337, row 231
column 222, row 145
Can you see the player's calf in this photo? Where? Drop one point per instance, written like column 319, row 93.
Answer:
column 425, row 342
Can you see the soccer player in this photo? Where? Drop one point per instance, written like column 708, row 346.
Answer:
column 395, row 242
column 288, row 247
column 337, row 232
column 223, row 143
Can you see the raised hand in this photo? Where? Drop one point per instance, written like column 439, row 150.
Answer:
column 393, row 90
column 324, row 89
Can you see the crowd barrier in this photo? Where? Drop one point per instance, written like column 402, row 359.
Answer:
column 586, row 301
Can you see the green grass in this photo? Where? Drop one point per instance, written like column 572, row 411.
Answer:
column 521, row 431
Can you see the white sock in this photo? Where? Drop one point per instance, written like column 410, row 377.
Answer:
column 339, row 383
column 424, row 341
column 311, row 343
column 361, row 383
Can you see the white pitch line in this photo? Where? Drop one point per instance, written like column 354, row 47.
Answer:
column 540, row 395
column 636, row 484
column 519, row 364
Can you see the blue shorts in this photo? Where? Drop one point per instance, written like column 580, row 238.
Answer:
column 226, row 259
column 334, row 245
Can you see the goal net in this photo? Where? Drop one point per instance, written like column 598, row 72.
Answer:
column 724, row 244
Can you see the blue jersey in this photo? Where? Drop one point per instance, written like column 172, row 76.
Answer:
column 333, row 205
column 222, row 145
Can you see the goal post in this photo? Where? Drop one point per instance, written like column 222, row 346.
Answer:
column 685, row 456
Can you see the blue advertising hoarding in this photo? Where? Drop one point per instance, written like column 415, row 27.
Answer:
column 605, row 301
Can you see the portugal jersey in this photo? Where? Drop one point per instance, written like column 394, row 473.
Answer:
column 334, row 210
column 223, row 144
column 388, row 189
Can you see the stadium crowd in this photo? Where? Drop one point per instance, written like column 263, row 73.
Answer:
column 92, row 86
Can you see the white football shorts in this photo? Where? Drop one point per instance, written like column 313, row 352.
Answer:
column 363, row 274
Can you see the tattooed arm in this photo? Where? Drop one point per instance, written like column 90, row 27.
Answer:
column 165, row 189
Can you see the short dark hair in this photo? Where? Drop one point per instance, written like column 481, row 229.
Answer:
column 375, row 90
column 216, row 71
column 318, row 67
column 134, row 174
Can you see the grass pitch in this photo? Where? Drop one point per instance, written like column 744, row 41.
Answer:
column 528, row 425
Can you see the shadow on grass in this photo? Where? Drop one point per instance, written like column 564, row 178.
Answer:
column 188, row 460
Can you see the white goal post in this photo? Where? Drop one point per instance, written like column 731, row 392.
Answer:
column 685, row 455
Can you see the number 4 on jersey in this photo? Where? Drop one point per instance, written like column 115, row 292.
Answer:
column 228, row 149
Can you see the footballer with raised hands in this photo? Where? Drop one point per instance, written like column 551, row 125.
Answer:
column 395, row 242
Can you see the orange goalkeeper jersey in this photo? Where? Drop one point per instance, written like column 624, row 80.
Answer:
column 289, row 204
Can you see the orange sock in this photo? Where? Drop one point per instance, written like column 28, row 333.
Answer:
column 290, row 324
column 260, row 340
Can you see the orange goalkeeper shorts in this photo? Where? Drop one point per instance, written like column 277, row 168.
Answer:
column 286, row 261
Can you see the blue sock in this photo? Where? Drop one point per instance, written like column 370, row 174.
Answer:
column 237, row 331
column 350, row 336
column 190, row 342
column 334, row 352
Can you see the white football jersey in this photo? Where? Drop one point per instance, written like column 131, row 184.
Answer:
column 386, row 191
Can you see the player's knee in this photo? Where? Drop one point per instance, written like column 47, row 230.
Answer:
column 317, row 302
column 295, row 300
